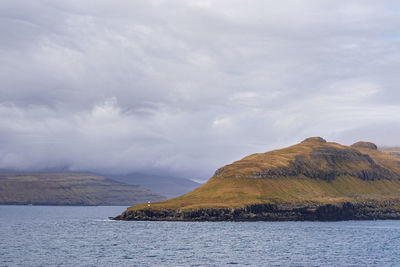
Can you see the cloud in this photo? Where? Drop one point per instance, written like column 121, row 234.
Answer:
column 183, row 87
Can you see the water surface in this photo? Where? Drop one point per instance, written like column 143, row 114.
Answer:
column 83, row 236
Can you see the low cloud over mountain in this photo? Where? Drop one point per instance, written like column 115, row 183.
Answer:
column 182, row 87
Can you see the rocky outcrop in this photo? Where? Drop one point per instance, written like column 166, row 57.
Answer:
column 314, row 139
column 367, row 210
column 315, row 158
column 363, row 144
column 322, row 163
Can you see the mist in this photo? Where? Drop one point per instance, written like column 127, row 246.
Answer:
column 184, row 87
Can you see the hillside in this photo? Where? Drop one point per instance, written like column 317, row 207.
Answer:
column 166, row 185
column 70, row 189
column 294, row 183
column 394, row 151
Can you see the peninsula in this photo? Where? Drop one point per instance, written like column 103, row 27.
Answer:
column 312, row 180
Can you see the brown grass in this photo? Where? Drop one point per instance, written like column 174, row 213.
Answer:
column 232, row 186
column 228, row 192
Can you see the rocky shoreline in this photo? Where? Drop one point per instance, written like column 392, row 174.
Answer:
column 367, row 210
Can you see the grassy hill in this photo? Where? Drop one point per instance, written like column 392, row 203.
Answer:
column 70, row 189
column 312, row 173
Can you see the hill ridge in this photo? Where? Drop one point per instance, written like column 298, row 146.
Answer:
column 70, row 189
column 312, row 173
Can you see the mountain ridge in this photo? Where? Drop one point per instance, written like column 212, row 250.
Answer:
column 166, row 185
column 70, row 189
column 306, row 176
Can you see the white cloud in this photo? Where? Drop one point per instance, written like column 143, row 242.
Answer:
column 186, row 86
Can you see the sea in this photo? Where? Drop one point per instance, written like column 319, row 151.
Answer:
column 84, row 236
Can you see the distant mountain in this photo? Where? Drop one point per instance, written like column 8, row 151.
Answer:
column 166, row 185
column 394, row 151
column 70, row 189
column 312, row 180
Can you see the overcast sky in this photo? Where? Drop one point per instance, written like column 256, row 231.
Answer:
column 184, row 87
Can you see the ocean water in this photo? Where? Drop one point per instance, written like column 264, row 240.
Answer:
column 83, row 236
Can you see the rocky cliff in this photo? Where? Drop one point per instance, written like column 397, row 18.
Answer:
column 367, row 210
column 313, row 180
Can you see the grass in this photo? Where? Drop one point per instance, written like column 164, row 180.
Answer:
column 230, row 193
column 234, row 185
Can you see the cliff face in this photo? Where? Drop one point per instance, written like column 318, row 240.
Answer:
column 302, row 180
column 369, row 210
column 315, row 158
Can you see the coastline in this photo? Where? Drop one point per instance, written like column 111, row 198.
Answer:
column 367, row 210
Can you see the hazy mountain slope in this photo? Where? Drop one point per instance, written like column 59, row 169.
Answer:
column 166, row 185
column 70, row 189
column 394, row 151
column 313, row 172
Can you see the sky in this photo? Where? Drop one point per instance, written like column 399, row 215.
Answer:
column 185, row 87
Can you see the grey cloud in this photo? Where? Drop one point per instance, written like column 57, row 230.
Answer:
column 183, row 87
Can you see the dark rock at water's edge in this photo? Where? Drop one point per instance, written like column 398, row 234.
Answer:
column 367, row 210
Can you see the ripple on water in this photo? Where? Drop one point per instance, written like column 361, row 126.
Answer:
column 40, row 235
